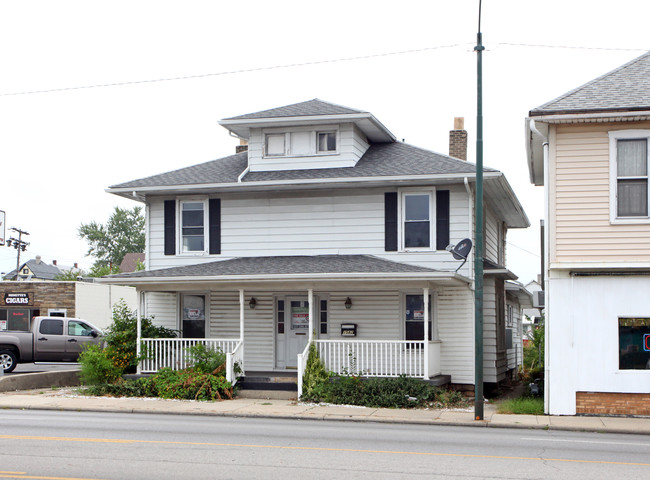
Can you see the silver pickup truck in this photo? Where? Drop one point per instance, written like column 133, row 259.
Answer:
column 50, row 339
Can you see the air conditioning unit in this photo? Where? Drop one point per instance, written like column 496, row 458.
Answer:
column 538, row 299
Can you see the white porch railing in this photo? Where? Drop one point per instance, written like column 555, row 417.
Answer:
column 233, row 359
column 373, row 358
column 302, row 365
column 172, row 352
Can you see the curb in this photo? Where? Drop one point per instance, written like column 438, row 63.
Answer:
column 32, row 381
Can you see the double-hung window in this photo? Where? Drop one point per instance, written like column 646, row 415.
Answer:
column 416, row 220
column 629, row 175
column 193, row 226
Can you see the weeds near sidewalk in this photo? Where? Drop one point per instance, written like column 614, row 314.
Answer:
column 522, row 406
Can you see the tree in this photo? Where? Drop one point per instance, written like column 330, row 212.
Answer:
column 122, row 234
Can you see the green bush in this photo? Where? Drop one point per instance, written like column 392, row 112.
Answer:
column 190, row 384
column 315, row 375
column 121, row 336
column 206, row 360
column 400, row 392
column 141, row 387
column 97, row 367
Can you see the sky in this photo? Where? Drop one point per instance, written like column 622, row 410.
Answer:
column 96, row 93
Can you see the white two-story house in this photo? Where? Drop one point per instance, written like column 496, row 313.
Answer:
column 589, row 148
column 325, row 229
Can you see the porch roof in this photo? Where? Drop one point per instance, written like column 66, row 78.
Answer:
column 316, row 268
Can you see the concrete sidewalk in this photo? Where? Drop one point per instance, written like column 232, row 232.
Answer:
column 69, row 399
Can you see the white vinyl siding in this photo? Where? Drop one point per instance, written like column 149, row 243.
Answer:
column 581, row 226
column 455, row 316
column 163, row 307
column 316, row 223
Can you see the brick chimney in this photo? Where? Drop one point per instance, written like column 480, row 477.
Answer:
column 54, row 262
column 458, row 139
column 242, row 147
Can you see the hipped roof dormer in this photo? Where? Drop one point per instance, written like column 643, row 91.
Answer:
column 311, row 112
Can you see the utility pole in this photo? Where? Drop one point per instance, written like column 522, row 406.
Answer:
column 478, row 252
column 19, row 244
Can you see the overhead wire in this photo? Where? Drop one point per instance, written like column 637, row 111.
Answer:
column 306, row 64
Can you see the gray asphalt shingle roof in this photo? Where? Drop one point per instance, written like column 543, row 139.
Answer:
column 302, row 109
column 381, row 159
column 623, row 89
column 317, row 264
column 40, row 270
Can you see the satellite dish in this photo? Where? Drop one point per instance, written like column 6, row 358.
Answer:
column 461, row 250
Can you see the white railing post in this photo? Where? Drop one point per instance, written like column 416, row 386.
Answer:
column 310, row 299
column 426, row 332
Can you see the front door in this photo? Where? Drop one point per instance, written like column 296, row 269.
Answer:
column 297, row 333
column 193, row 320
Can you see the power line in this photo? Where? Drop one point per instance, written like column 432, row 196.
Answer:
column 233, row 72
column 306, row 64
column 520, row 248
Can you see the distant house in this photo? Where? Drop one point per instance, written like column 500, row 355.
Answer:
column 32, row 270
column 590, row 150
column 130, row 262
column 326, row 231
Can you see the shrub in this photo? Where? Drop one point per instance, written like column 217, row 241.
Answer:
column 315, row 375
column 400, row 392
column 97, row 367
column 206, row 360
column 190, row 384
column 121, row 336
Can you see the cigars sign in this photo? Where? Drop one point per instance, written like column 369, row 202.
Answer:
column 18, row 299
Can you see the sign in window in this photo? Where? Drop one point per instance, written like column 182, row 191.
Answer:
column 634, row 343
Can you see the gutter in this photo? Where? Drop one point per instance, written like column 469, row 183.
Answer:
column 297, row 182
column 547, row 235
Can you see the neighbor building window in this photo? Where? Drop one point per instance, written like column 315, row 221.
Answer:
column 416, row 225
column 629, row 174
column 193, row 226
column 634, row 343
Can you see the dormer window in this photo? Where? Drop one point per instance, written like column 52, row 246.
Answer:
column 326, row 142
column 275, row 145
column 301, row 142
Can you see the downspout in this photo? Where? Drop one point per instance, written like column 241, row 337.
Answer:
column 470, row 224
column 248, row 167
column 547, row 230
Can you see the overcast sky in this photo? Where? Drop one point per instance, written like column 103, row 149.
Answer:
column 410, row 63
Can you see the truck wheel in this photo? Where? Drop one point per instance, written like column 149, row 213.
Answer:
column 8, row 360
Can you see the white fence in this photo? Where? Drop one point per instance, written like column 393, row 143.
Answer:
column 172, row 352
column 373, row 358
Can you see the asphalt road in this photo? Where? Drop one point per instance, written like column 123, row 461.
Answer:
column 43, row 367
column 69, row 445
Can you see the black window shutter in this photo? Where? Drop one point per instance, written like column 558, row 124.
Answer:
column 214, row 216
column 390, row 221
column 442, row 219
column 170, row 227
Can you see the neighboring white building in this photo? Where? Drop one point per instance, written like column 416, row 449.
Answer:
column 326, row 230
column 589, row 148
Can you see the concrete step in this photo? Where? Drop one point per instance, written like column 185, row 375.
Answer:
column 269, row 381
column 268, row 394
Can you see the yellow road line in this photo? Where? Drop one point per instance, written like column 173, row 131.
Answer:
column 323, row 449
column 15, row 473
column 22, row 475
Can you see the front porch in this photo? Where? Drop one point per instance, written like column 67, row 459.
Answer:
column 366, row 316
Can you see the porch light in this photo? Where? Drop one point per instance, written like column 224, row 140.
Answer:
column 348, row 303
column 252, row 303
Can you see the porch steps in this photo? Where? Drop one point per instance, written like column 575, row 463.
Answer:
column 269, row 385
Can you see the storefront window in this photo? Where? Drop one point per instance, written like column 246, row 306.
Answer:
column 634, row 343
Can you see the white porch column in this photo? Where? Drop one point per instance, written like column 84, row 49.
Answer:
column 138, row 347
column 241, row 314
column 311, row 315
column 426, row 332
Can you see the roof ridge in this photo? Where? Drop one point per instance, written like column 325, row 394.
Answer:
column 591, row 82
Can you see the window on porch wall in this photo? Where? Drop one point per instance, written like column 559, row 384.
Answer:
column 193, row 321
column 414, row 316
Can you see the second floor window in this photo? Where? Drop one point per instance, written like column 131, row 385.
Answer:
column 632, row 177
column 417, row 220
column 300, row 143
column 192, row 226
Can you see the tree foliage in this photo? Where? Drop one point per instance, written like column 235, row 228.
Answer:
column 122, row 234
